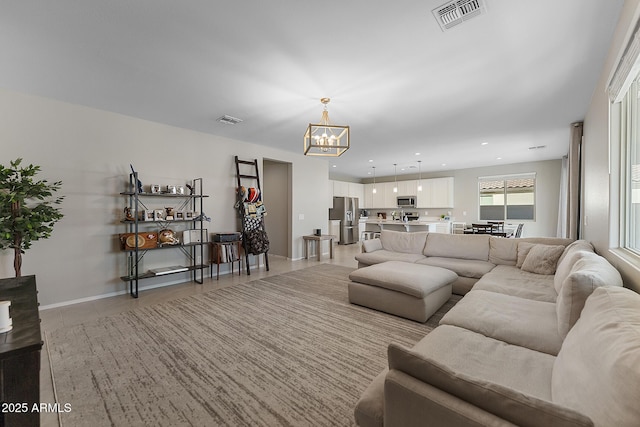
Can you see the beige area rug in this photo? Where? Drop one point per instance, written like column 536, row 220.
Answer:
column 287, row 350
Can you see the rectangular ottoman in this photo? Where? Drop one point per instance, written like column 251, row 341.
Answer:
column 412, row 291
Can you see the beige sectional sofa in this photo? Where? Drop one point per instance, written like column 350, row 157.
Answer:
column 546, row 335
column 470, row 256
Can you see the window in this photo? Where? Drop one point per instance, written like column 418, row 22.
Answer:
column 630, row 177
column 507, row 198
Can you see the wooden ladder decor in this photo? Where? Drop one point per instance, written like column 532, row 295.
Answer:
column 251, row 211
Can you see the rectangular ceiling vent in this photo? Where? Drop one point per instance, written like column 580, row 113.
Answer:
column 458, row 11
column 228, row 120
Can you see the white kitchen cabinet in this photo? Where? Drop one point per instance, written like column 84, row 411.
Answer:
column 357, row 190
column 373, row 200
column 407, row 188
column 390, row 200
column 436, row 193
column 340, row 189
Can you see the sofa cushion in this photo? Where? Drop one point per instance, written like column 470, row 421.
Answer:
column 510, row 404
column 542, row 259
column 371, row 245
column 510, row 280
column 400, row 241
column 376, row 257
column 524, row 322
column 411, row 279
column 462, row 267
column 588, row 273
column 505, row 251
column 571, row 254
column 523, row 251
column 597, row 370
column 471, row 353
column 464, row 246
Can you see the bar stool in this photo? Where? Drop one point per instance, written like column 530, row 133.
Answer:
column 367, row 235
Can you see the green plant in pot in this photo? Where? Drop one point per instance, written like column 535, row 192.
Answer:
column 28, row 208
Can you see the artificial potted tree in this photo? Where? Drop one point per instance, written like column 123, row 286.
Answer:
column 28, row 209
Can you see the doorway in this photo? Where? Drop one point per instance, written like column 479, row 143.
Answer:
column 278, row 189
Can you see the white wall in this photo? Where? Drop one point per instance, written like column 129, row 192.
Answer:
column 600, row 222
column 90, row 151
column 547, row 193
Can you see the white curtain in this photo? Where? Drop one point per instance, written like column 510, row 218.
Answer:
column 564, row 194
column 570, row 190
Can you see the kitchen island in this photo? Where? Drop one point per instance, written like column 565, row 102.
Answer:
column 408, row 226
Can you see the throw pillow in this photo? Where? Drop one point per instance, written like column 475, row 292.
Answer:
column 542, row 259
column 523, row 251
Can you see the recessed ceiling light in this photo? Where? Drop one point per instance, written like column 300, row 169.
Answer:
column 334, row 166
column 370, row 161
column 444, row 164
column 498, row 158
column 417, row 154
column 484, row 143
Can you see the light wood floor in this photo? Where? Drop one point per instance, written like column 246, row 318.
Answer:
column 67, row 316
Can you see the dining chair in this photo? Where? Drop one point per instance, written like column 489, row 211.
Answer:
column 481, row 228
column 458, row 227
column 518, row 232
column 498, row 225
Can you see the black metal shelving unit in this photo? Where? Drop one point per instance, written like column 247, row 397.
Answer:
column 192, row 201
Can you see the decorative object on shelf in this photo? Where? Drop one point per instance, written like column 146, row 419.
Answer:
column 127, row 214
column 171, row 189
column 180, row 216
column 27, row 209
column 180, row 189
column 168, row 237
column 191, row 189
column 138, row 183
column 146, row 215
column 168, row 270
column 325, row 139
column 195, row 236
column 169, row 214
column 155, row 188
column 144, row 240
column 158, row 215
column 317, row 231
column 6, row 324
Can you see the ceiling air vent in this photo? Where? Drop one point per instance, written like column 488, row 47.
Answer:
column 456, row 12
column 228, row 120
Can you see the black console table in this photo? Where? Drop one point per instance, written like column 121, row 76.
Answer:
column 20, row 354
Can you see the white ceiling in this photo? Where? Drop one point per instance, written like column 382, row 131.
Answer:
column 515, row 77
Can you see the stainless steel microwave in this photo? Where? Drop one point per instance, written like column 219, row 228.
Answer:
column 406, row 201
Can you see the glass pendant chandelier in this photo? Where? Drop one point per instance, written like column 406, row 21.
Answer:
column 395, row 173
column 374, row 191
column 325, row 139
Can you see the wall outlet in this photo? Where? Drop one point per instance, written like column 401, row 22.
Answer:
column 301, row 217
column 426, row 213
column 464, row 213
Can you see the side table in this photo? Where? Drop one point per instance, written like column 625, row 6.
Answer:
column 20, row 352
column 318, row 241
column 223, row 253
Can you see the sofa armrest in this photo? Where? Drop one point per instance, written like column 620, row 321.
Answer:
column 371, row 245
column 506, row 403
column 409, row 402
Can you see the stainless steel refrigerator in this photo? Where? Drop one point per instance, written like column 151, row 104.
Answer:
column 346, row 210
